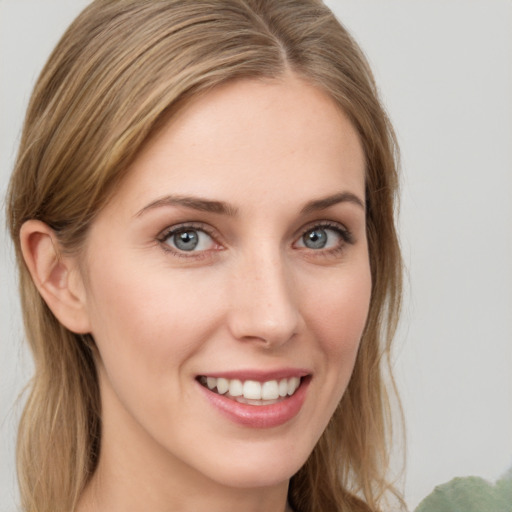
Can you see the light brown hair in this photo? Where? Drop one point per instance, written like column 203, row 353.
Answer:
column 122, row 67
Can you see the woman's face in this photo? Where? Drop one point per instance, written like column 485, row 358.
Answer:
column 231, row 266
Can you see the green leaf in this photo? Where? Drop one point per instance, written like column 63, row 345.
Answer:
column 503, row 491
column 470, row 494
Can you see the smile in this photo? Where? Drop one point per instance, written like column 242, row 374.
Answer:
column 252, row 392
column 256, row 400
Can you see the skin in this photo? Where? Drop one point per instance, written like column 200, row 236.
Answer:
column 252, row 296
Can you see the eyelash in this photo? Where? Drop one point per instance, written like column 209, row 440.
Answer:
column 181, row 228
column 345, row 235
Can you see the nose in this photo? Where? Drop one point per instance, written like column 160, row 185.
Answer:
column 263, row 303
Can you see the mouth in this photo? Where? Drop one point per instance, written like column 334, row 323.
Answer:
column 253, row 392
column 257, row 399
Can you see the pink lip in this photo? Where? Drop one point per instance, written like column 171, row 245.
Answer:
column 258, row 416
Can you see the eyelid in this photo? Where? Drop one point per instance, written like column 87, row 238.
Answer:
column 169, row 231
column 343, row 231
column 183, row 226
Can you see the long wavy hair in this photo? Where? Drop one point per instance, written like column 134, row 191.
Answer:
column 121, row 68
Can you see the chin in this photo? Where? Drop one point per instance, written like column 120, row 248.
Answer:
column 254, row 464
column 270, row 474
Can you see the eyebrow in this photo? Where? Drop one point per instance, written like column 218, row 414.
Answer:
column 326, row 202
column 192, row 202
column 222, row 208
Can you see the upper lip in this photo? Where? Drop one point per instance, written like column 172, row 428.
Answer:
column 259, row 375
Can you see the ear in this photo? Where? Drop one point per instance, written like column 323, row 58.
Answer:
column 55, row 275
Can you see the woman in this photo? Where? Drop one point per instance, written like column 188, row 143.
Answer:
column 202, row 210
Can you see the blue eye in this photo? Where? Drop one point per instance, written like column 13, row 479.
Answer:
column 315, row 239
column 186, row 241
column 323, row 237
column 189, row 240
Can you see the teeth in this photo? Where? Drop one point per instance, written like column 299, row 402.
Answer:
column 293, row 384
column 251, row 389
column 236, row 387
column 283, row 387
column 270, row 390
column 222, row 385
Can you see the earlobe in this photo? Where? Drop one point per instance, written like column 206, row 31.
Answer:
column 55, row 275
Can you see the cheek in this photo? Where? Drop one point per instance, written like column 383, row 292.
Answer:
column 336, row 315
column 147, row 321
column 339, row 312
column 146, row 327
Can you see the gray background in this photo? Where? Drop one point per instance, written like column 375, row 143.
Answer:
column 445, row 72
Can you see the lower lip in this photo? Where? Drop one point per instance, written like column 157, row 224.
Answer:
column 259, row 416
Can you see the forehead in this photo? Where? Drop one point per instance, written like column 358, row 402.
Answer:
column 251, row 138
